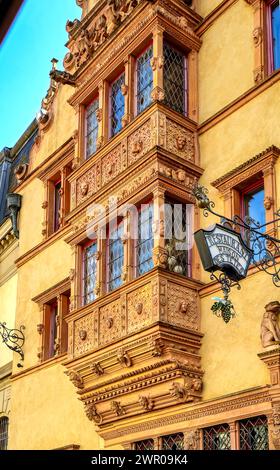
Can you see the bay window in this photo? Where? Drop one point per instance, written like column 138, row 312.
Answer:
column 175, row 79
column 89, row 268
column 115, row 257
column 144, row 242
column 117, row 104
column 91, row 127
column 144, row 74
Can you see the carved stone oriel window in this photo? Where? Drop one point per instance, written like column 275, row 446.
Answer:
column 253, row 433
column 144, row 73
column 4, row 426
column 90, row 269
column 174, row 77
column 115, row 257
column 117, row 104
column 216, row 437
column 173, row 442
column 144, row 243
column 91, row 134
column 147, row 444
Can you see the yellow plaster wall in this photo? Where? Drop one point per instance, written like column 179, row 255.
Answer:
column 65, row 122
column 46, row 413
column 8, row 293
column 31, row 216
column 226, row 65
column 204, row 7
column 56, row 262
column 229, row 351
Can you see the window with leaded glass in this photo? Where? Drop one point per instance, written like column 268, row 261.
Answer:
column 144, row 75
column 57, row 205
column 173, row 442
column 253, row 433
column 117, row 104
column 175, row 79
column 275, row 26
column 89, row 280
column 4, row 425
column 177, row 236
column 216, row 437
column 91, row 128
column 147, row 444
column 144, row 243
column 115, row 257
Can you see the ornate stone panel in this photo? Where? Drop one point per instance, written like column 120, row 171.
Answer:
column 111, row 165
column 84, row 335
column 182, row 306
column 139, row 303
column 111, row 323
column 180, row 141
column 88, row 184
column 139, row 142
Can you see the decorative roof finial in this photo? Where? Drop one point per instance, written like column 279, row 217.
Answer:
column 54, row 61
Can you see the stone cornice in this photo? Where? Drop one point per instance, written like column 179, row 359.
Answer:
column 267, row 157
column 205, row 409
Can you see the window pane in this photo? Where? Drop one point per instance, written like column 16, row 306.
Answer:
column 89, row 280
column 174, row 79
column 276, row 34
column 91, row 128
column 148, row 444
column 216, row 438
column 57, row 203
column 4, row 424
column 173, row 442
column 145, row 242
column 53, row 330
column 115, row 261
column 254, row 433
column 144, row 80
column 177, row 233
column 117, row 105
column 254, row 205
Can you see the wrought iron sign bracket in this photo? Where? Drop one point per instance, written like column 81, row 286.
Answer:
column 14, row 340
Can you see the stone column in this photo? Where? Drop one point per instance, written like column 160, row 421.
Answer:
column 157, row 64
column 128, row 92
column 159, row 252
column 193, row 85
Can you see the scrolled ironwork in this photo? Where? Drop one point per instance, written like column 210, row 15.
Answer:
column 14, row 339
column 265, row 247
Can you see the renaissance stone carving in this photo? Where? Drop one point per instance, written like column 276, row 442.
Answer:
column 45, row 115
column 75, row 378
column 83, row 334
column 139, row 306
column 117, row 408
column 191, row 440
column 93, row 414
column 97, row 368
column 147, row 403
column 270, row 330
column 182, row 306
column 257, row 36
column 157, row 347
column 186, row 392
column 275, row 433
column 21, row 172
column 123, row 358
column 180, row 140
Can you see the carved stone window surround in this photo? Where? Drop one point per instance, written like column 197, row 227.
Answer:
column 59, row 293
column 261, row 37
column 262, row 165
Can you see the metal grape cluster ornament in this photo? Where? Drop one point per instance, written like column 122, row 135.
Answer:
column 231, row 247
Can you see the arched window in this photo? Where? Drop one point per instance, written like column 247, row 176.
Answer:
column 4, row 424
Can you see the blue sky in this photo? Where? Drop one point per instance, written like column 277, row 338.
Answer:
column 37, row 35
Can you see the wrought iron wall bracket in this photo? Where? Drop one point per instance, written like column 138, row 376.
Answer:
column 14, row 339
column 265, row 247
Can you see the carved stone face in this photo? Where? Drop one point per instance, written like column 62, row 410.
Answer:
column 181, row 142
column 109, row 322
column 184, row 306
column 139, row 308
column 82, row 334
column 84, row 189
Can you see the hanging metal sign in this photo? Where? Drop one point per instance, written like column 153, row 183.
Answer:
column 221, row 248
